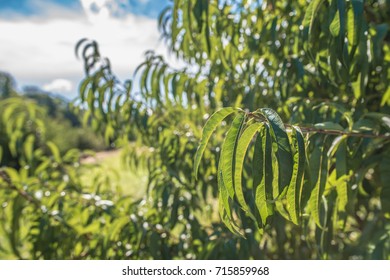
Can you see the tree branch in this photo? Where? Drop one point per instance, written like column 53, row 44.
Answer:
column 27, row 196
column 306, row 129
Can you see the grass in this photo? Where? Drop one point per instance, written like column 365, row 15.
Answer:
column 109, row 164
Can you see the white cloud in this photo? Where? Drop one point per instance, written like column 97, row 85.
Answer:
column 59, row 86
column 39, row 51
column 99, row 11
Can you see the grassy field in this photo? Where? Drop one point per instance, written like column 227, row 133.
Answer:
column 109, row 163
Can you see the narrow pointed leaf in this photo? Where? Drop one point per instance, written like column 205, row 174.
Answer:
column 242, row 147
column 223, row 196
column 54, row 151
column 258, row 161
column 228, row 223
column 386, row 98
column 228, row 153
column 335, row 25
column 263, row 191
column 384, row 168
column 355, row 17
column 28, row 147
column 81, row 41
column 224, row 207
column 320, row 182
column 341, row 172
column 282, row 149
column 310, row 14
column 208, row 130
column 329, row 126
column 295, row 188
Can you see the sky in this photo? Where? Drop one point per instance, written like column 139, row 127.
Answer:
column 37, row 38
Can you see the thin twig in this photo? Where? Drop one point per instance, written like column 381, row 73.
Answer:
column 340, row 132
column 22, row 193
column 306, row 129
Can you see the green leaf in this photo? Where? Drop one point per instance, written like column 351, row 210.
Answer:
column 8, row 111
column 1, row 154
column 13, row 143
column 208, row 130
column 341, row 175
column 382, row 119
column 13, row 175
column 228, row 153
column 258, row 160
column 335, row 145
column 319, row 161
column 83, row 86
column 117, row 226
column 355, row 17
column 295, row 188
column 54, row 151
column 14, row 235
column 381, row 31
column 351, row 28
column 242, row 147
column 224, row 205
column 72, row 155
column 311, row 13
column 263, row 191
column 281, row 147
column 339, row 150
column 28, row 147
column 329, row 126
column 109, row 133
column 91, row 228
column 335, row 25
column 386, row 97
column 79, row 43
column 384, row 168
column 218, row 89
column 86, row 117
column 342, row 47
column 225, row 211
column 42, row 167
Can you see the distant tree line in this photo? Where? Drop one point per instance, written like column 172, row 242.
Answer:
column 63, row 126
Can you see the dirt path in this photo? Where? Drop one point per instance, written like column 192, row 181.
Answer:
column 100, row 156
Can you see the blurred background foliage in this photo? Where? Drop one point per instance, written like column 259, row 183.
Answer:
column 60, row 124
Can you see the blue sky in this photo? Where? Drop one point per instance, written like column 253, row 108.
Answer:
column 37, row 38
column 27, row 6
column 149, row 8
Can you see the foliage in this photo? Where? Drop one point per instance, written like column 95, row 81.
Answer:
column 20, row 125
column 49, row 212
column 293, row 98
column 61, row 124
column 309, row 174
column 7, row 85
column 64, row 127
